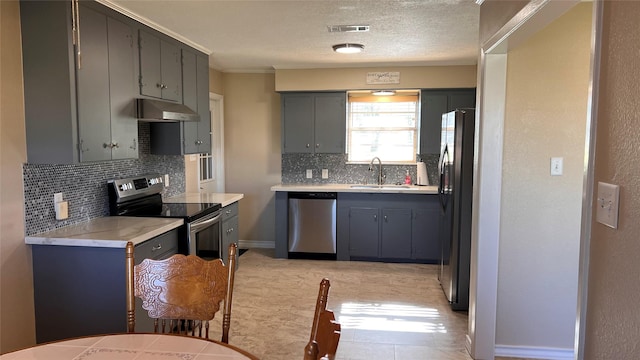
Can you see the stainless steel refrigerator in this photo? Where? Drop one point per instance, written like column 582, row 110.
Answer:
column 455, row 192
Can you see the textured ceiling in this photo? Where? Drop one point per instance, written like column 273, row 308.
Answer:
column 263, row 35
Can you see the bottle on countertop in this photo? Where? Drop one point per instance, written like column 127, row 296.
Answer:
column 407, row 178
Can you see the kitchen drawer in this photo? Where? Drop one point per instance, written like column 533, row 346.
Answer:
column 158, row 248
column 229, row 211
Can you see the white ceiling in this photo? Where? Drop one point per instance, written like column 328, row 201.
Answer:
column 263, row 35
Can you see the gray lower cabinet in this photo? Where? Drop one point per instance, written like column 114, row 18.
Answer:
column 363, row 232
column 388, row 227
column 313, row 122
column 395, row 233
column 81, row 291
column 160, row 68
column 190, row 137
column 229, row 228
column 434, row 103
column 77, row 108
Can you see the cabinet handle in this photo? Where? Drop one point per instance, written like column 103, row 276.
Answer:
column 111, row 145
column 308, row 146
column 157, row 247
column 228, row 212
column 375, row 217
column 385, row 218
column 317, row 145
column 158, row 85
column 134, row 146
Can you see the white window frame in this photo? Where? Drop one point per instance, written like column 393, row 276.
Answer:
column 415, row 128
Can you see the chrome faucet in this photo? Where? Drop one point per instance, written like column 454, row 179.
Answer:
column 379, row 169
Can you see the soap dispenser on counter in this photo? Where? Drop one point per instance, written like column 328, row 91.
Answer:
column 407, row 178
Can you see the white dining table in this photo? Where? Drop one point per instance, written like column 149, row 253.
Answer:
column 132, row 346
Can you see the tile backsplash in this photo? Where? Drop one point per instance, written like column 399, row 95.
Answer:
column 85, row 185
column 294, row 168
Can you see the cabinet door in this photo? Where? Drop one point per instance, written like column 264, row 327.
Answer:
column 461, row 99
column 204, row 126
column 330, row 123
column 170, row 71
column 229, row 236
column 150, row 75
column 363, row 232
column 124, row 127
column 434, row 104
column 425, row 241
column 396, row 234
column 190, row 99
column 297, row 123
column 94, row 114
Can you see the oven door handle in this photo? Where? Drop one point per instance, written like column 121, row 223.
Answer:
column 197, row 226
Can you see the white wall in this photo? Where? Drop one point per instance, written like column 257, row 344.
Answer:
column 546, row 112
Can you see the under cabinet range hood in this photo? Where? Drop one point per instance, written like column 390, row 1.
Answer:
column 164, row 111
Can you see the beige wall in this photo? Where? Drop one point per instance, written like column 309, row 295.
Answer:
column 16, row 284
column 252, row 150
column 418, row 77
column 215, row 82
column 546, row 111
column 612, row 330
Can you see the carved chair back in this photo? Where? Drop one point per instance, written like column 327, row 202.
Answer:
column 181, row 293
column 325, row 331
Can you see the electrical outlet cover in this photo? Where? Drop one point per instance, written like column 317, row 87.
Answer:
column 608, row 204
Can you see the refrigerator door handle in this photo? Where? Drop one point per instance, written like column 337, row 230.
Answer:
column 441, row 187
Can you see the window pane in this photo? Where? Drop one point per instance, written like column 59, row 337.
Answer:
column 384, row 129
column 387, row 145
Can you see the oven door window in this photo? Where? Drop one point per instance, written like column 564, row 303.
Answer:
column 207, row 241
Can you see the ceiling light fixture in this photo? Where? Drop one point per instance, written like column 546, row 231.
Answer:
column 348, row 48
column 383, row 92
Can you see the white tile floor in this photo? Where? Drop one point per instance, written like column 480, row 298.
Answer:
column 387, row 311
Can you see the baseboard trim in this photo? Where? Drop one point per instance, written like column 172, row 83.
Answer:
column 248, row 244
column 534, row 352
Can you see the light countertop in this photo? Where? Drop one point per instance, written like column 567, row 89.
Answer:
column 108, row 231
column 205, row 197
column 357, row 188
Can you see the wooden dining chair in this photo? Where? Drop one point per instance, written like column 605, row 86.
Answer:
column 181, row 293
column 325, row 331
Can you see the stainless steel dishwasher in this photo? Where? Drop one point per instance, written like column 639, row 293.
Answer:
column 312, row 224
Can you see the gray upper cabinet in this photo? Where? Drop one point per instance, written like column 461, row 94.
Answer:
column 77, row 108
column 313, row 122
column 107, row 125
column 195, row 82
column 188, row 137
column 434, row 103
column 160, row 68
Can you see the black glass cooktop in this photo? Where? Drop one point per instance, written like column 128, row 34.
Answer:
column 189, row 211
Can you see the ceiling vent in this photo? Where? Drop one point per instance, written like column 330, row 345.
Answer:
column 348, row 28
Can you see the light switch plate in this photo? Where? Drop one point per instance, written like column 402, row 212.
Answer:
column 608, row 204
column 309, row 173
column 325, row 173
column 556, row 166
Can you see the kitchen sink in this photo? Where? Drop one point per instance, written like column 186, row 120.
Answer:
column 382, row 187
